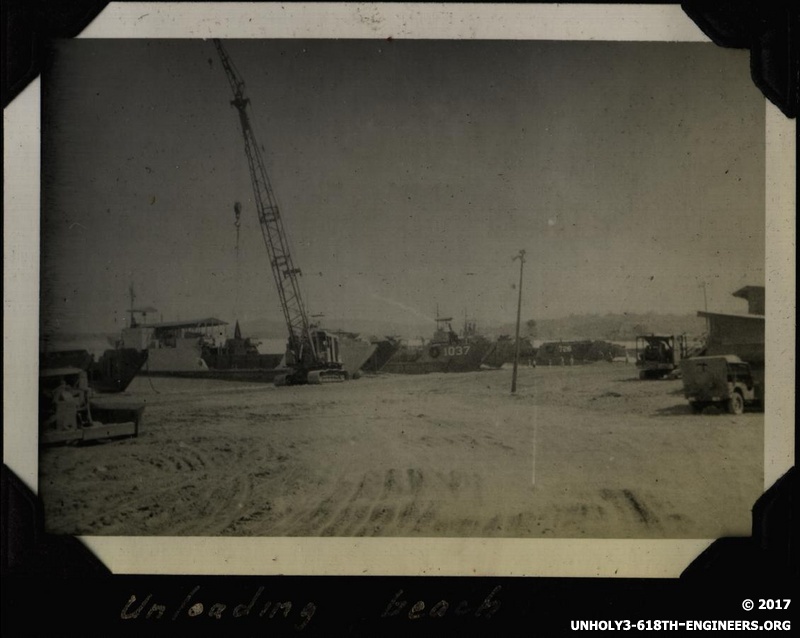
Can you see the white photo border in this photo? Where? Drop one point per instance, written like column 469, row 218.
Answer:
column 381, row 556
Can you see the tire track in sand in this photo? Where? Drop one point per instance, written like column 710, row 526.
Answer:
column 203, row 495
column 140, row 508
column 393, row 502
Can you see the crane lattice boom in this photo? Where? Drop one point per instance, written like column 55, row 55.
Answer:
column 286, row 276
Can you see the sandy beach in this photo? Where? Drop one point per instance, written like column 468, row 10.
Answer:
column 579, row 452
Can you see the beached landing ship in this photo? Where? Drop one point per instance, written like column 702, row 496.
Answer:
column 174, row 346
column 200, row 349
column 385, row 349
column 239, row 358
column 111, row 372
column 559, row 353
column 446, row 352
column 504, row 350
column 355, row 351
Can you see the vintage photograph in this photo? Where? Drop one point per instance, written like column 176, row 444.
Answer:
column 401, row 288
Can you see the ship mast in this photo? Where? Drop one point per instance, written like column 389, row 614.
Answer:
column 132, row 295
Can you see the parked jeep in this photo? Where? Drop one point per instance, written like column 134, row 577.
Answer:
column 723, row 380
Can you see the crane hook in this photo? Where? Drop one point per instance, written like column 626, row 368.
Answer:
column 237, row 210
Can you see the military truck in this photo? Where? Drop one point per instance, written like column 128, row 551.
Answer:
column 67, row 413
column 722, row 380
column 658, row 356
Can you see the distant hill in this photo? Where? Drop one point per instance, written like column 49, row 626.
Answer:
column 610, row 327
column 266, row 328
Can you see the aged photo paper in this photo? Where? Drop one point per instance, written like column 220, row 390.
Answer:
column 430, row 144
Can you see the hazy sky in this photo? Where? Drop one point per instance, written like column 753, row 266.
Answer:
column 409, row 174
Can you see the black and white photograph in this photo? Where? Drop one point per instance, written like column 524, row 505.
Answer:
column 402, row 288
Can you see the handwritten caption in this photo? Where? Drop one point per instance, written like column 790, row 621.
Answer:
column 191, row 607
column 259, row 606
column 440, row 609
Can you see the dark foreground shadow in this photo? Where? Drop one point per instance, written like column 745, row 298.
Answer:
column 711, row 410
column 680, row 409
column 770, row 553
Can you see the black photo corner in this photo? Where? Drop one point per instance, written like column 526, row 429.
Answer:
column 53, row 581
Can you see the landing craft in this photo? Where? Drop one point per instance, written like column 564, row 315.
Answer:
column 385, row 349
column 504, row 349
column 447, row 351
column 201, row 349
column 112, row 372
column 577, row 352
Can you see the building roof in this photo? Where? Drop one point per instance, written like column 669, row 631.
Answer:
column 701, row 313
column 744, row 293
column 730, row 358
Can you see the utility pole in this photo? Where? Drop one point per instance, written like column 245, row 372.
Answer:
column 705, row 306
column 705, row 297
column 132, row 295
column 521, row 258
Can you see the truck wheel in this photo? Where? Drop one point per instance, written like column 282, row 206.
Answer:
column 735, row 404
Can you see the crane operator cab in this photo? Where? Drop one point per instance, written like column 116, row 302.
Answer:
column 324, row 365
column 327, row 347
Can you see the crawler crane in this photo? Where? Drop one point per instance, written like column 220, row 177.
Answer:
column 312, row 355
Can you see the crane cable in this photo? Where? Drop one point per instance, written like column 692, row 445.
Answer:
column 237, row 210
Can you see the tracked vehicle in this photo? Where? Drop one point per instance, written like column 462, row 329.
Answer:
column 312, row 355
column 658, row 356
